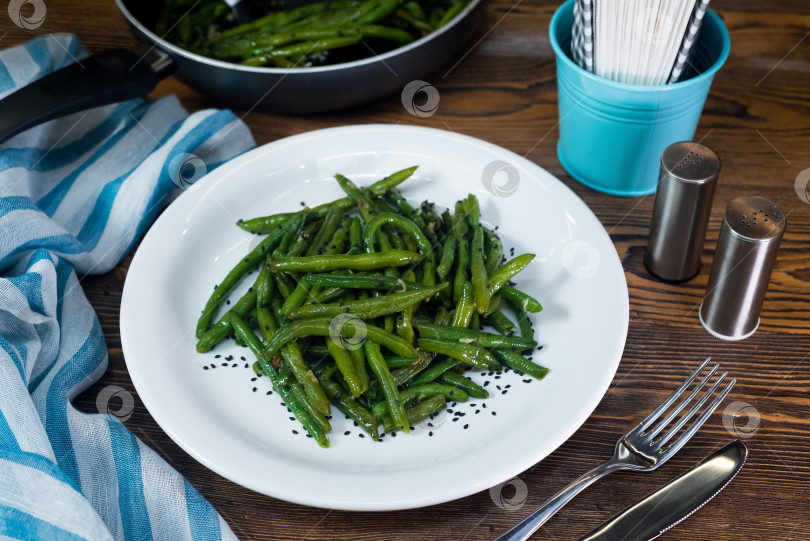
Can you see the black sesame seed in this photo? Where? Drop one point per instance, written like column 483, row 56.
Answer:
column 295, row 432
column 253, row 379
column 292, row 418
column 477, row 412
column 493, row 413
column 347, row 432
column 233, row 365
column 224, row 364
column 466, row 427
column 213, row 365
column 205, row 367
column 484, row 405
column 243, row 358
column 393, row 434
column 246, row 365
column 309, row 435
column 217, row 356
column 255, row 389
column 504, row 391
column 527, row 381
column 269, row 393
column 486, row 383
column 430, row 433
column 455, row 419
column 362, row 435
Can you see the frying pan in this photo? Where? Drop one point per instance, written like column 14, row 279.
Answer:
column 122, row 74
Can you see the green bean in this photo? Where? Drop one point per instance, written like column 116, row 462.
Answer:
column 494, row 252
column 389, row 258
column 464, row 383
column 255, row 345
column 521, row 364
column 347, row 368
column 464, row 308
column 305, row 47
column 448, row 256
column 398, row 362
column 451, row 13
column 294, row 300
column 406, row 373
column 434, row 371
column 368, row 281
column 368, row 308
column 317, row 415
column 481, row 289
column 329, row 327
column 292, row 356
column 503, row 274
column 469, row 354
column 501, row 323
column 265, row 224
column 524, row 323
column 273, row 21
column 418, row 413
column 469, row 336
column 494, row 304
column 348, row 405
column 518, row 297
column 222, row 328
column 245, row 265
column 403, row 223
column 359, row 358
column 386, row 381
column 413, row 394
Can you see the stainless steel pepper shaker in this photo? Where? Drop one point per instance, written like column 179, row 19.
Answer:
column 741, row 271
column 683, row 202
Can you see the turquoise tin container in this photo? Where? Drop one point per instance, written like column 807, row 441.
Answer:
column 612, row 134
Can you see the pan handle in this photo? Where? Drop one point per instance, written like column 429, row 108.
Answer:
column 101, row 79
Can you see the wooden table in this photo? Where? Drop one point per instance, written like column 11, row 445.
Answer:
column 757, row 118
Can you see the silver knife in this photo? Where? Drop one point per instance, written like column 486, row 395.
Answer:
column 675, row 501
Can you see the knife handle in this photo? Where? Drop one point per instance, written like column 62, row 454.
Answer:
column 524, row 529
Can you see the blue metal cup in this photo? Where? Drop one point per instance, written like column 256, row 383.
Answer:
column 612, row 134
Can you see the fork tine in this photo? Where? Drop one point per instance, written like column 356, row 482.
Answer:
column 703, row 417
column 672, row 398
column 685, row 402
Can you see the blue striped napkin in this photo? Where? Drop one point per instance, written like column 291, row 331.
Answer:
column 75, row 195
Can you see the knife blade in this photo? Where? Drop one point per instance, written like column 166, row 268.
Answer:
column 666, row 507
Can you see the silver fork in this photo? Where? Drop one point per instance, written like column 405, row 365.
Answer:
column 641, row 449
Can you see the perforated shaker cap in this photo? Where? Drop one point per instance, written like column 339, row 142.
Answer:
column 746, row 254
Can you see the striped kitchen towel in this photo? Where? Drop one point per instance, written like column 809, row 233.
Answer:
column 75, row 195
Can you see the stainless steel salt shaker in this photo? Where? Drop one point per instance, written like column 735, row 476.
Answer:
column 680, row 216
column 746, row 252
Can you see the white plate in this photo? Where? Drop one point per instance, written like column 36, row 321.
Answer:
column 247, row 436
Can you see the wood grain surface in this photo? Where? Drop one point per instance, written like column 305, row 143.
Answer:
column 504, row 91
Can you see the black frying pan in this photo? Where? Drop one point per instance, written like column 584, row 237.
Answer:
column 121, row 74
